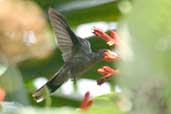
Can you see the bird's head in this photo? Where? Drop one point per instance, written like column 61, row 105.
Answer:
column 100, row 53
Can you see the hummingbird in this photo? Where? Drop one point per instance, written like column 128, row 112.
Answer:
column 76, row 53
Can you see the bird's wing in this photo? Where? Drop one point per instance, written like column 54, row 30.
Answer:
column 65, row 37
column 85, row 46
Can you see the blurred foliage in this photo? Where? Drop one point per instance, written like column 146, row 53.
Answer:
column 91, row 10
column 14, row 86
column 20, row 36
column 109, row 102
column 148, row 79
column 145, row 65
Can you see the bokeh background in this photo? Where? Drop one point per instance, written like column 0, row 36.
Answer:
column 29, row 56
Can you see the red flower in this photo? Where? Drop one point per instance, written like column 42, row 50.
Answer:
column 107, row 72
column 110, row 56
column 86, row 101
column 2, row 95
column 110, row 40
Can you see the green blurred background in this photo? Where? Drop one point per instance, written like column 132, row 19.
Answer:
column 29, row 55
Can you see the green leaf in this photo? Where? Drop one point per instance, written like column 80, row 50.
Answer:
column 105, row 104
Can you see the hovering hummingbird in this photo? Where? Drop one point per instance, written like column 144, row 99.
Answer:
column 76, row 52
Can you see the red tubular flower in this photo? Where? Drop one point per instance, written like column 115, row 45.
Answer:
column 86, row 103
column 107, row 72
column 110, row 56
column 100, row 33
column 2, row 95
column 110, row 40
column 116, row 38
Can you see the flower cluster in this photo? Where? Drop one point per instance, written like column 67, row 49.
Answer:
column 109, row 56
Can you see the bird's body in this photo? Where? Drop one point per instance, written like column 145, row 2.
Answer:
column 77, row 55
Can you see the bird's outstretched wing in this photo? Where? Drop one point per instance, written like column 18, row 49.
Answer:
column 66, row 39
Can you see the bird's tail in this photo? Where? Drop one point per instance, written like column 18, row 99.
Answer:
column 40, row 94
column 48, row 88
